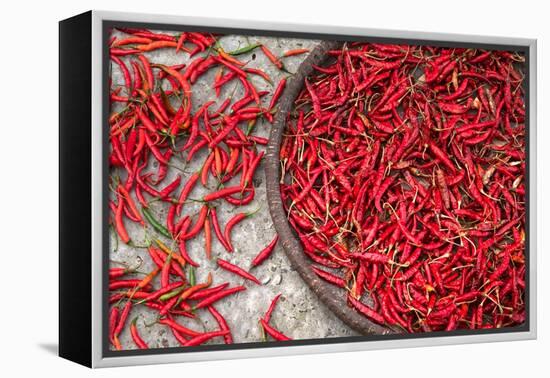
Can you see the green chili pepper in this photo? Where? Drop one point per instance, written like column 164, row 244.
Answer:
column 156, row 225
column 250, row 127
column 171, row 294
column 245, row 49
column 262, row 332
column 192, row 279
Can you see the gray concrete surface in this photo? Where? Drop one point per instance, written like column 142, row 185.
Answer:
column 299, row 314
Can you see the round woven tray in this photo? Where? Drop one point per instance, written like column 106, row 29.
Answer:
column 334, row 298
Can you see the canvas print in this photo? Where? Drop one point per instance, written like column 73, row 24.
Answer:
column 401, row 178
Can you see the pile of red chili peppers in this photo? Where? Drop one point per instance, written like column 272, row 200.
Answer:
column 404, row 178
column 153, row 121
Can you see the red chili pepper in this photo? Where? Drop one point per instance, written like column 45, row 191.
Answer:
column 161, row 291
column 179, row 328
column 440, row 155
column 135, row 336
column 231, row 125
column 273, row 59
column 258, row 72
column 186, row 190
column 277, row 335
column 222, row 324
column 168, row 189
column 206, row 168
column 335, row 280
column 207, row 239
column 131, row 203
column 217, row 296
column 269, row 312
column 165, row 278
column 151, row 35
column 217, row 230
column 232, row 223
column 125, row 72
column 130, row 41
column 252, row 169
column 198, row 226
column 205, row 293
column 367, row 311
column 222, row 193
column 117, row 272
column 181, row 40
column 232, row 163
column 229, row 58
column 183, row 250
column 148, row 71
column 122, row 319
column 156, row 45
column 232, row 67
column 315, row 100
column 266, row 252
column 198, row 340
column 278, row 92
column 121, row 229
column 155, row 151
column 295, row 52
column 237, row 270
column 122, row 52
column 113, row 320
